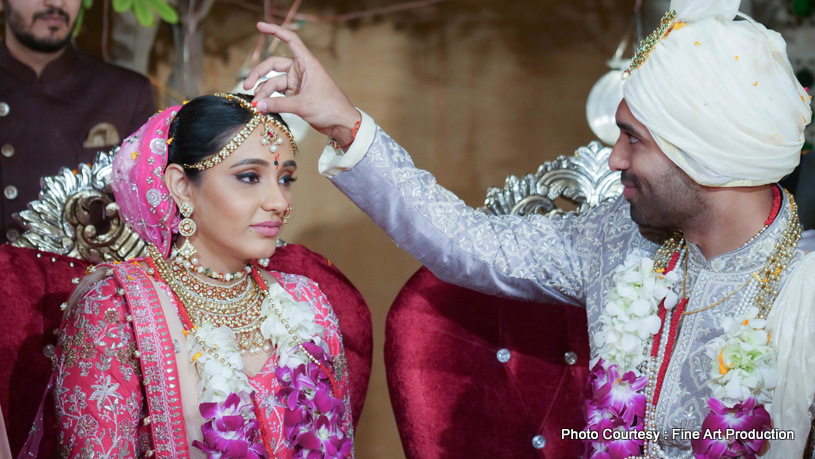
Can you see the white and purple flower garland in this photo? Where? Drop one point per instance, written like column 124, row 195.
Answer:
column 313, row 415
column 742, row 369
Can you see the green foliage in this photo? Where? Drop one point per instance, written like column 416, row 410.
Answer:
column 166, row 12
column 80, row 16
column 144, row 10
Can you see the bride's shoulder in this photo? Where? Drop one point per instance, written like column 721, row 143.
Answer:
column 105, row 280
column 297, row 285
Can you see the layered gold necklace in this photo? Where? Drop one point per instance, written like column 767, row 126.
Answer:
column 765, row 284
column 236, row 305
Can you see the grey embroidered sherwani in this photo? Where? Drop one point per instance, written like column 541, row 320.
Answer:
column 569, row 259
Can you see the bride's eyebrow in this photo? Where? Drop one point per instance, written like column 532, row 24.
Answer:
column 252, row 161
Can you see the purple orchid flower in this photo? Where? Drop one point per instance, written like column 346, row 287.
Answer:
column 616, row 405
column 744, row 417
column 613, row 449
column 312, row 421
column 618, row 393
column 227, row 431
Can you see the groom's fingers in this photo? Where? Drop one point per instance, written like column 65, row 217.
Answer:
column 298, row 49
column 267, row 88
column 279, row 105
column 272, row 64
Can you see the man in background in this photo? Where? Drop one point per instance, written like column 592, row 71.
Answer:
column 58, row 106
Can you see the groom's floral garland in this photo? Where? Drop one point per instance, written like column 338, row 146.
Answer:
column 625, row 378
column 313, row 415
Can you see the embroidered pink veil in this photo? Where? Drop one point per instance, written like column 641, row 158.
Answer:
column 137, row 181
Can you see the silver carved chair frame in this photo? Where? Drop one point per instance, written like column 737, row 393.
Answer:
column 583, row 179
column 76, row 216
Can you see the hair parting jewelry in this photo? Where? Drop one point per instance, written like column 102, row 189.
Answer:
column 269, row 136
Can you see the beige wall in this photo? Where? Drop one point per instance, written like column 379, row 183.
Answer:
column 473, row 90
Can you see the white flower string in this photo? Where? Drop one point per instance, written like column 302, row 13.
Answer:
column 630, row 318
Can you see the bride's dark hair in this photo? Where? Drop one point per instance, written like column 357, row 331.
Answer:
column 203, row 126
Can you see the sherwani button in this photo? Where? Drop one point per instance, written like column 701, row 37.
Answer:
column 538, row 442
column 4, row 109
column 570, row 358
column 503, row 355
column 10, row 192
column 12, row 235
column 7, row 150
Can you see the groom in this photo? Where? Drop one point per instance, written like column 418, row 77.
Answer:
column 712, row 324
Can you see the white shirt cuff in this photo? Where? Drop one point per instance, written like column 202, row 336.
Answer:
column 333, row 161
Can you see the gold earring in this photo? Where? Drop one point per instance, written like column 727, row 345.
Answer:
column 286, row 215
column 187, row 226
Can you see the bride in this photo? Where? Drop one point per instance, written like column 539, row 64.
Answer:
column 196, row 350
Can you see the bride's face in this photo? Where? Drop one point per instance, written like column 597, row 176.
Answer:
column 238, row 204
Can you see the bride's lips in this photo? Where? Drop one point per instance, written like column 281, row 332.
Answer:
column 268, row 229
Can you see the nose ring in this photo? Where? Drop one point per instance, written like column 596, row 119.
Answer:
column 286, row 215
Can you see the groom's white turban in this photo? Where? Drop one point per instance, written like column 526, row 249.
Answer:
column 720, row 96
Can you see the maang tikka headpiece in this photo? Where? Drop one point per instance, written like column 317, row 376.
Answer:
column 269, row 136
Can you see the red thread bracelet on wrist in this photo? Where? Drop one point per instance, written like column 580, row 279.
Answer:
column 336, row 145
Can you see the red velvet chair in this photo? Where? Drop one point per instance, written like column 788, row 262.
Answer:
column 476, row 376
column 59, row 245
column 34, row 285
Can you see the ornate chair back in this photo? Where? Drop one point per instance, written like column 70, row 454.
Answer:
column 76, row 223
column 471, row 375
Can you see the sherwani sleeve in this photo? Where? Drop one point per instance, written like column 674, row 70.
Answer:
column 532, row 257
column 97, row 391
